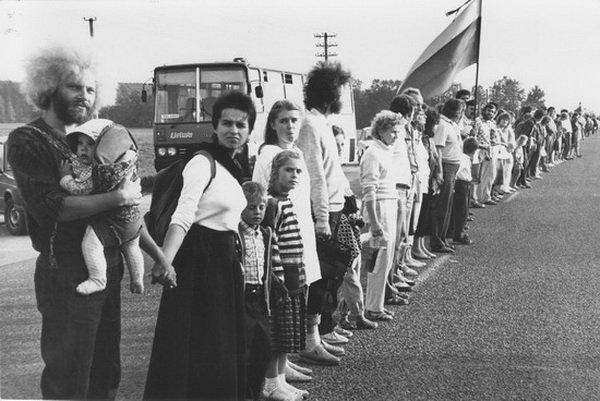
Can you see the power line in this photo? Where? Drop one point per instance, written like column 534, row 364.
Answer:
column 326, row 45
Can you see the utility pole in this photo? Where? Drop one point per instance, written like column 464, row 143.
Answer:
column 326, row 45
column 91, row 22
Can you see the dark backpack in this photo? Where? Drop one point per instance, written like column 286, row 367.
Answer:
column 165, row 196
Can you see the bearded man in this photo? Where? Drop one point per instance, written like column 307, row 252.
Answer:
column 80, row 340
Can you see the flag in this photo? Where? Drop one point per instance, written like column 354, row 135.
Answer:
column 456, row 48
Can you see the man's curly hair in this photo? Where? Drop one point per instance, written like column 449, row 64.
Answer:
column 52, row 67
column 323, row 85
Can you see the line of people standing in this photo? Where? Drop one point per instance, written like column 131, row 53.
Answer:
column 255, row 271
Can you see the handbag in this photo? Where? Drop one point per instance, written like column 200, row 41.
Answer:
column 334, row 256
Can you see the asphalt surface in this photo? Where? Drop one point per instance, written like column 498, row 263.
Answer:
column 515, row 316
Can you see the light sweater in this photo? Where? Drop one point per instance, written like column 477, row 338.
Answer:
column 300, row 197
column 377, row 178
column 401, row 170
column 328, row 182
column 219, row 207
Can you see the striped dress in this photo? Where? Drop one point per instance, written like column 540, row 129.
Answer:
column 288, row 319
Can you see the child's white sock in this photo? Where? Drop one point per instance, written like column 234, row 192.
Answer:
column 313, row 339
column 288, row 387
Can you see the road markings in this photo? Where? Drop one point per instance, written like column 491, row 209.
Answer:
column 437, row 262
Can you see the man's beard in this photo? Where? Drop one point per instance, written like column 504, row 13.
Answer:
column 69, row 112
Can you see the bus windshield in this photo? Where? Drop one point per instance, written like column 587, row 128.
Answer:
column 188, row 95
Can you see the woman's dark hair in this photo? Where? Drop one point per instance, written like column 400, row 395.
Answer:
column 323, row 85
column 538, row 114
column 453, row 108
column 432, row 118
column 234, row 100
column 470, row 145
column 403, row 104
column 279, row 106
column 462, row 93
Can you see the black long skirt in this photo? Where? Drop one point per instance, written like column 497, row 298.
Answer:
column 424, row 224
column 199, row 344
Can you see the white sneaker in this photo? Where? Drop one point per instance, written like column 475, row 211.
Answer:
column 334, row 338
column 280, row 394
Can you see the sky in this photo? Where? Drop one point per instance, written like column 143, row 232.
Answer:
column 549, row 43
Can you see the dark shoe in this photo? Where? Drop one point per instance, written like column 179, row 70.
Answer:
column 470, row 218
column 491, row 203
column 362, row 323
column 403, row 287
column 477, row 205
column 348, row 324
column 526, row 186
column 465, row 240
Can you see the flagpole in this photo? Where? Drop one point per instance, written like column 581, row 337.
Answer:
column 478, row 48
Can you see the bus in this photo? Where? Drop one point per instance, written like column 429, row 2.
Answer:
column 184, row 95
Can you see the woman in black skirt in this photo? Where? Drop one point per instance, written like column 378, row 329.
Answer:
column 198, row 350
column 419, row 249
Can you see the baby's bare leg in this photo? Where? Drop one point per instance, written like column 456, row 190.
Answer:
column 135, row 264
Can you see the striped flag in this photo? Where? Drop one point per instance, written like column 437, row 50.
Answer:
column 456, row 48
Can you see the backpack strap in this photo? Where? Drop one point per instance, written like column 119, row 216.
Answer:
column 213, row 167
column 55, row 143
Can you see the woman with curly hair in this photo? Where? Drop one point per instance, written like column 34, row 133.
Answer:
column 380, row 199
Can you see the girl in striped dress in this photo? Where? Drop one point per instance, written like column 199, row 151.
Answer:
column 288, row 320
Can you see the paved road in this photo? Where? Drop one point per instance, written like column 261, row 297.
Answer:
column 515, row 316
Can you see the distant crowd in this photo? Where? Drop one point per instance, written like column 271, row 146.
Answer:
column 264, row 276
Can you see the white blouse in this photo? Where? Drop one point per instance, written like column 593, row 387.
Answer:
column 218, row 207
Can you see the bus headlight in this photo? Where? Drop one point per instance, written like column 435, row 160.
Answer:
column 171, row 151
column 162, row 152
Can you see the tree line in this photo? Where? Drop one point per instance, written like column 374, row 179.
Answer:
column 507, row 92
column 130, row 111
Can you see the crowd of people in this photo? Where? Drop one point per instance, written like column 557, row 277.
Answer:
column 256, row 271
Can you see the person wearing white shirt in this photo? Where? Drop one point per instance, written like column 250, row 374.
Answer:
column 504, row 151
column 202, row 244
column 378, row 182
column 449, row 145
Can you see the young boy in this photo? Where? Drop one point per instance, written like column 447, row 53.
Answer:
column 462, row 189
column 263, row 275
